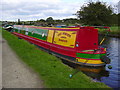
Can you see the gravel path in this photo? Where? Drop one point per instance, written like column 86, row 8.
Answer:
column 16, row 74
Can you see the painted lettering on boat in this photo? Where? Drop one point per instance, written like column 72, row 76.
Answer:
column 64, row 33
column 62, row 40
column 65, row 38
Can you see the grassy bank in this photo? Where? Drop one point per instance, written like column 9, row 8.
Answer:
column 114, row 31
column 0, row 30
column 50, row 69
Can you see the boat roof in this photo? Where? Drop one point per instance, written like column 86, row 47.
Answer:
column 56, row 28
column 47, row 28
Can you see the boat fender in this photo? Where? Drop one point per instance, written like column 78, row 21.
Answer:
column 105, row 59
column 110, row 67
column 108, row 54
column 70, row 75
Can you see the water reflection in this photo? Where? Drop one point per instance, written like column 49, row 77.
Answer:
column 94, row 72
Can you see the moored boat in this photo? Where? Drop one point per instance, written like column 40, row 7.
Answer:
column 78, row 45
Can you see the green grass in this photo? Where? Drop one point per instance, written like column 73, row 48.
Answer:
column 50, row 69
column 0, row 30
column 114, row 31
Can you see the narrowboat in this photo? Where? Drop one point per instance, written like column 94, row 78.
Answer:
column 78, row 45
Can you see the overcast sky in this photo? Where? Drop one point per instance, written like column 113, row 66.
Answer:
column 41, row 9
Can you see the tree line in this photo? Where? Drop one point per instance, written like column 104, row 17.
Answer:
column 50, row 22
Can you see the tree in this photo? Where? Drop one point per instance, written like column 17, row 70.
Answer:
column 95, row 13
column 56, row 22
column 42, row 20
column 50, row 20
column 118, row 19
column 114, row 20
column 19, row 22
column 71, row 21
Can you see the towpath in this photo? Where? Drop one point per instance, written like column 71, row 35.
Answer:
column 15, row 73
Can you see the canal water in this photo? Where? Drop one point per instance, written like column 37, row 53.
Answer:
column 110, row 77
column 113, row 47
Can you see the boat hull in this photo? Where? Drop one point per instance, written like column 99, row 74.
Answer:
column 68, row 54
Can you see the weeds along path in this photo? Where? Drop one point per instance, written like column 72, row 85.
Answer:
column 15, row 74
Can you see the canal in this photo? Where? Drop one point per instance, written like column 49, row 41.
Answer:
column 113, row 79
column 110, row 77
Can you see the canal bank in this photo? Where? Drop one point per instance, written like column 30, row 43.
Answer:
column 51, row 70
column 114, row 31
column 117, row 35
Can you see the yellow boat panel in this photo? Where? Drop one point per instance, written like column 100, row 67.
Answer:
column 65, row 38
column 89, row 61
column 50, row 36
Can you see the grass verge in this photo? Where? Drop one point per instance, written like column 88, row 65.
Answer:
column 114, row 31
column 50, row 69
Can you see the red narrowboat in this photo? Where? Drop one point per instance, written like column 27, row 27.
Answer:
column 78, row 45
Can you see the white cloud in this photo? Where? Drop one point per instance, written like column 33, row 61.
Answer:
column 39, row 9
column 115, row 1
column 119, row 7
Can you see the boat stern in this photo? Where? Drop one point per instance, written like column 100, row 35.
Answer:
column 97, row 57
